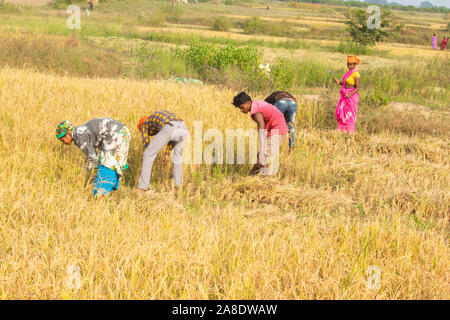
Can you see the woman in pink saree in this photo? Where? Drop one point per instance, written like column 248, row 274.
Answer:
column 434, row 42
column 348, row 103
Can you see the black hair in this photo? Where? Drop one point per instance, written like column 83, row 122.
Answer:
column 241, row 98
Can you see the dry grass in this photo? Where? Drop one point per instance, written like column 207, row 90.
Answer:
column 394, row 49
column 210, row 33
column 29, row 2
column 401, row 50
column 333, row 59
column 59, row 54
column 313, row 22
column 338, row 205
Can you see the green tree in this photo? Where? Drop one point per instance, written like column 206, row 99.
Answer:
column 362, row 32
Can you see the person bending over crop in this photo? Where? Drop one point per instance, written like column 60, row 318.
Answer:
column 168, row 130
column 270, row 123
column 112, row 140
column 286, row 103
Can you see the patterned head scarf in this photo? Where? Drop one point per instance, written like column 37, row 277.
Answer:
column 353, row 59
column 63, row 128
column 141, row 122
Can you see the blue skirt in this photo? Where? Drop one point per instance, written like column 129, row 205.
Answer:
column 106, row 180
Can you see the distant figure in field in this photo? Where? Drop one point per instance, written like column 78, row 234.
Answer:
column 92, row 3
column 111, row 138
column 434, row 42
column 267, row 8
column 270, row 123
column 168, row 130
column 348, row 103
column 443, row 43
column 286, row 103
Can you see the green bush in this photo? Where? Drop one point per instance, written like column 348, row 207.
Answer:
column 232, row 67
column 376, row 98
column 211, row 56
column 254, row 25
column 222, row 24
column 283, row 75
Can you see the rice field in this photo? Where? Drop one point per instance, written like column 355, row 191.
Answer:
column 340, row 205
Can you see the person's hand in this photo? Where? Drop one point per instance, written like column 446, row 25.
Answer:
column 262, row 161
column 336, row 80
column 90, row 177
column 166, row 159
column 348, row 95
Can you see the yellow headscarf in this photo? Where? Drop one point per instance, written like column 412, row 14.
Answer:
column 353, row 59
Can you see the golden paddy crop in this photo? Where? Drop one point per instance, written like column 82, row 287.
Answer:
column 338, row 205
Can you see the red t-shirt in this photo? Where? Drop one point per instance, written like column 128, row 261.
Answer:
column 273, row 118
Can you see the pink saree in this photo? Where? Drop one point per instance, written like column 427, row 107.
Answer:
column 346, row 107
